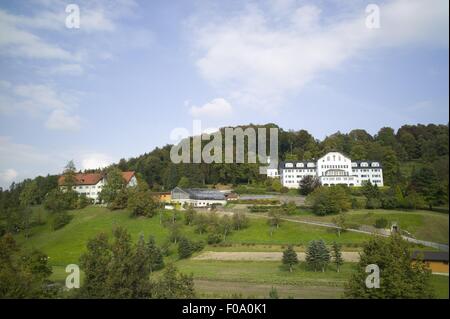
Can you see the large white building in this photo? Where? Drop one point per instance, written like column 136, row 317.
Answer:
column 91, row 184
column 331, row 169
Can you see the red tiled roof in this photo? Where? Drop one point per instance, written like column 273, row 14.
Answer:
column 127, row 176
column 93, row 178
column 83, row 179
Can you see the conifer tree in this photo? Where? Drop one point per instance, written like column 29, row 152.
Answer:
column 290, row 257
column 337, row 255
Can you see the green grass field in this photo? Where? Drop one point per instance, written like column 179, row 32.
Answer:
column 424, row 225
column 250, row 278
column 237, row 278
column 65, row 245
column 254, row 279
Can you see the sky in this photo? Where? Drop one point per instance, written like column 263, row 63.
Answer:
column 133, row 71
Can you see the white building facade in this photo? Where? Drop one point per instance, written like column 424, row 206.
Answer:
column 91, row 184
column 198, row 197
column 332, row 169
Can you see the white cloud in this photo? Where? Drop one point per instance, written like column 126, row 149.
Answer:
column 26, row 160
column 95, row 160
column 73, row 69
column 30, row 161
column 61, row 120
column 256, row 58
column 218, row 107
column 41, row 101
column 18, row 42
column 17, row 153
column 7, row 176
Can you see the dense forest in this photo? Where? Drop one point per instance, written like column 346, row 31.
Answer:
column 419, row 151
column 401, row 152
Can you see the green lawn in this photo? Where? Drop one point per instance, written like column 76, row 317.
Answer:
column 263, row 272
column 255, row 278
column 291, row 233
column 64, row 246
column 440, row 284
column 422, row 224
column 245, row 278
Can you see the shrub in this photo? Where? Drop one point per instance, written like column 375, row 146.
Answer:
column 214, row 239
column 381, row 223
column 60, row 220
column 141, row 203
column 373, row 203
column 329, row 200
column 358, row 202
column 186, row 247
column 83, row 201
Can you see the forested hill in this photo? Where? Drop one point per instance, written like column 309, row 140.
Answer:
column 401, row 153
column 411, row 147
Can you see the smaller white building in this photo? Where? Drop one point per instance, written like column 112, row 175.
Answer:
column 198, row 197
column 91, row 184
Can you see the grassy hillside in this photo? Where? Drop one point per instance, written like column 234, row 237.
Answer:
column 237, row 278
column 65, row 245
column 424, row 225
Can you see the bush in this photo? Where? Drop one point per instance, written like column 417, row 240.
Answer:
column 329, row 200
column 120, row 201
column 60, row 220
column 141, row 203
column 214, row 239
column 83, row 201
column 373, row 203
column 381, row 223
column 186, row 247
column 359, row 202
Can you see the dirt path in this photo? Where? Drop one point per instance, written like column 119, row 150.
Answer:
column 350, row 256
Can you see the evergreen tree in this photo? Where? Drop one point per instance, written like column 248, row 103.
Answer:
column 173, row 285
column 317, row 255
column 156, row 259
column 308, row 184
column 337, row 255
column 323, row 255
column 399, row 277
column 23, row 274
column 290, row 257
column 184, row 248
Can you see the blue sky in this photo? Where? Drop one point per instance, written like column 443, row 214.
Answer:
column 135, row 70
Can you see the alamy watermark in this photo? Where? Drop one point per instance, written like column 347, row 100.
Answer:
column 234, row 143
column 373, row 279
column 73, row 279
column 373, row 16
column 73, row 16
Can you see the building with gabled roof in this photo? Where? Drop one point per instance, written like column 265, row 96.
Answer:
column 198, row 197
column 331, row 169
column 91, row 184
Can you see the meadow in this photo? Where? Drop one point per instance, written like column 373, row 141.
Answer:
column 424, row 225
column 222, row 278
